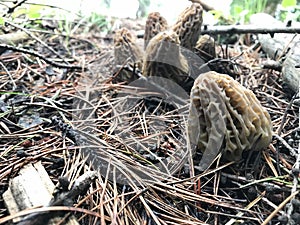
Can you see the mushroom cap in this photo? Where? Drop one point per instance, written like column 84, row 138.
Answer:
column 188, row 25
column 163, row 58
column 225, row 116
column 155, row 24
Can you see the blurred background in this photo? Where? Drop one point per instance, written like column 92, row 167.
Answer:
column 135, row 8
column 105, row 14
column 236, row 9
column 233, row 9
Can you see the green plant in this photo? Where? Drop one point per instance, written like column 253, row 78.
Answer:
column 65, row 25
column 98, row 21
column 288, row 3
column 32, row 11
column 2, row 21
column 242, row 10
column 143, row 8
column 289, row 10
column 220, row 17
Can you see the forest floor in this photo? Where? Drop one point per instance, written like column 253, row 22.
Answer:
column 52, row 99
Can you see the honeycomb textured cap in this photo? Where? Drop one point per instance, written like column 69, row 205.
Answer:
column 121, row 35
column 225, row 116
column 125, row 47
column 188, row 25
column 155, row 23
column 126, row 51
column 163, row 58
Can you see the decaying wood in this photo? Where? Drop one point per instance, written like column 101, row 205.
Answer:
column 282, row 47
column 13, row 38
column 32, row 188
column 244, row 29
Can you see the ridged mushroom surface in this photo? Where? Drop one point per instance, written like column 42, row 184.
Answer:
column 164, row 59
column 126, row 51
column 188, row 26
column 225, row 116
column 155, row 23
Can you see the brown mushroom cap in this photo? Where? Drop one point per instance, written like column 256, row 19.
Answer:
column 226, row 116
column 155, row 23
column 188, row 25
column 164, row 59
column 126, row 51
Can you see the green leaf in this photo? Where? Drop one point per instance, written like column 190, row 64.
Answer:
column 34, row 11
column 2, row 21
column 288, row 3
column 33, row 15
column 238, row 9
column 217, row 14
column 18, row 12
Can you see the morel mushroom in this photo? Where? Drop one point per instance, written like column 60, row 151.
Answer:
column 164, row 59
column 155, row 24
column 126, row 51
column 225, row 116
column 188, row 25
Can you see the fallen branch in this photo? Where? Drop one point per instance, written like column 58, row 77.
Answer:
column 244, row 29
column 284, row 48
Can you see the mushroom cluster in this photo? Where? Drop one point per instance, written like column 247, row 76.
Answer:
column 224, row 116
column 167, row 49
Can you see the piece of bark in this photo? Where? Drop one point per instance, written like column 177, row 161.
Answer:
column 13, row 38
column 282, row 47
column 31, row 188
